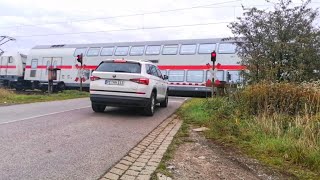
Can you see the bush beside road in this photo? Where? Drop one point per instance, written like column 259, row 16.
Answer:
column 277, row 124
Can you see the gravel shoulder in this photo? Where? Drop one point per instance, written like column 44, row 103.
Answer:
column 199, row 158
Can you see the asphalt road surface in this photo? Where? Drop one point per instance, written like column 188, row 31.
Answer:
column 67, row 140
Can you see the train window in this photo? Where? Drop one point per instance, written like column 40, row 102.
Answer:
column 195, row 76
column 163, row 72
column 220, row 75
column 11, row 59
column 93, row 51
column 176, row 75
column 122, row 51
column 206, row 48
column 234, row 76
column 170, row 49
column 153, row 50
column 34, row 63
column 136, row 50
column 107, row 51
column 188, row 49
column 79, row 51
column 227, row 48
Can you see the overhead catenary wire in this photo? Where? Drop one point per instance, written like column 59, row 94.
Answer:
column 121, row 16
column 127, row 29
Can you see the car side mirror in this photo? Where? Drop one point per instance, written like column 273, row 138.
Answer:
column 165, row 77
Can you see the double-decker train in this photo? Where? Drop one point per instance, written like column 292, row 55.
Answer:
column 186, row 62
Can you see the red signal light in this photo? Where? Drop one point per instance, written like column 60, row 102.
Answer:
column 213, row 56
column 79, row 58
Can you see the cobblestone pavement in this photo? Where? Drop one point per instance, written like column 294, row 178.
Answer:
column 144, row 158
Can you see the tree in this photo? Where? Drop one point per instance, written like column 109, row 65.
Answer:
column 279, row 45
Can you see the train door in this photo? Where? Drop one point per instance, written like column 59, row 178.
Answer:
column 3, row 66
column 44, row 73
column 11, row 66
column 50, row 62
column 56, row 63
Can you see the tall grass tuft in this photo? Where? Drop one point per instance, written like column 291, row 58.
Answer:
column 5, row 94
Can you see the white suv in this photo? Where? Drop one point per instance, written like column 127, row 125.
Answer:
column 128, row 83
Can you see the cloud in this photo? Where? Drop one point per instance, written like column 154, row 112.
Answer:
column 43, row 12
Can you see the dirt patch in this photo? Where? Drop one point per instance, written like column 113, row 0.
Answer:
column 203, row 159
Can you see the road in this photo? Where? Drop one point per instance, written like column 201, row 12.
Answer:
column 67, row 140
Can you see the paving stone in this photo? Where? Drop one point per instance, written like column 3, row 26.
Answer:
column 121, row 166
column 150, row 168
column 136, row 168
column 117, row 171
column 125, row 162
column 127, row 177
column 150, row 151
column 143, row 177
column 146, row 172
column 153, row 164
column 140, row 164
column 135, row 152
column 132, row 173
column 111, row 176
column 147, row 153
column 133, row 155
column 156, row 157
column 138, row 149
column 142, row 160
column 130, row 159
column 157, row 160
column 145, row 156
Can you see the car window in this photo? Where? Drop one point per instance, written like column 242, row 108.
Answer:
column 128, row 67
column 159, row 74
column 154, row 71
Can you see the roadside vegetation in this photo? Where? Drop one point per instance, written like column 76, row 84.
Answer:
column 11, row 97
column 279, row 124
column 275, row 116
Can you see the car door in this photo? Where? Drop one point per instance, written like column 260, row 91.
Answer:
column 158, row 80
column 163, row 83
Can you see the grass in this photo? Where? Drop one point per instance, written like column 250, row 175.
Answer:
column 10, row 97
column 286, row 142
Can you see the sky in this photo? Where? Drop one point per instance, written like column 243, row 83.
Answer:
column 41, row 22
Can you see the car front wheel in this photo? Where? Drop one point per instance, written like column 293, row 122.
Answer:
column 98, row 107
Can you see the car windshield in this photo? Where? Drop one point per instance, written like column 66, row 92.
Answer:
column 128, row 67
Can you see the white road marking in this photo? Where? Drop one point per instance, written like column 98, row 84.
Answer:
column 43, row 115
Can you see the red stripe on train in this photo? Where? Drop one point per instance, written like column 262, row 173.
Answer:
column 201, row 67
column 8, row 67
column 164, row 67
column 44, row 67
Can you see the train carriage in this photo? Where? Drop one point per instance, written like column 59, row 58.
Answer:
column 12, row 67
column 186, row 62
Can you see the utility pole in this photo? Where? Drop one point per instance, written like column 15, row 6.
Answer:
column 80, row 60
column 213, row 59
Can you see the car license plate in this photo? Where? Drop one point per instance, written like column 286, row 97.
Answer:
column 114, row 82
